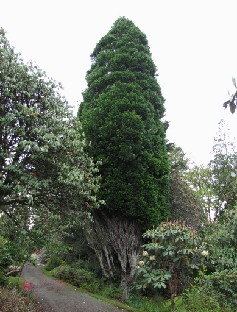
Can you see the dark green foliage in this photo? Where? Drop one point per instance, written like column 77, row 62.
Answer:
column 2, row 277
column 52, row 263
column 76, row 274
column 112, row 291
column 5, row 254
column 178, row 160
column 121, row 116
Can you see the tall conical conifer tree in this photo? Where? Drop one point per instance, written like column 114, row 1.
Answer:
column 121, row 114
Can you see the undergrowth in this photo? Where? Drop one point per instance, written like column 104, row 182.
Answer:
column 14, row 300
column 194, row 299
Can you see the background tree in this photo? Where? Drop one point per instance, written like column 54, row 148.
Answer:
column 222, row 242
column 223, row 168
column 121, row 115
column 185, row 204
column 200, row 179
column 221, row 239
column 215, row 184
column 43, row 166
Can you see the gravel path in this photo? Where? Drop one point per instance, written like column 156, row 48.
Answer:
column 56, row 296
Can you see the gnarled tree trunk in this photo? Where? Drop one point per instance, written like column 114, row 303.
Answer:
column 120, row 237
column 125, row 238
column 98, row 240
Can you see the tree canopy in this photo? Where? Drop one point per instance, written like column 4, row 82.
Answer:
column 42, row 160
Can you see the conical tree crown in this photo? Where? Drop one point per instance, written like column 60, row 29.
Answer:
column 124, row 55
column 121, row 116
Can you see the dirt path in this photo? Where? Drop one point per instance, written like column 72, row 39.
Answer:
column 57, row 296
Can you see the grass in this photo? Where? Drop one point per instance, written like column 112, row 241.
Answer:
column 155, row 304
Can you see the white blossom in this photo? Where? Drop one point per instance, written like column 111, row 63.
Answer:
column 205, row 253
column 141, row 263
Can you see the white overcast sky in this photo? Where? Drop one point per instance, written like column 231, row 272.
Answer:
column 193, row 44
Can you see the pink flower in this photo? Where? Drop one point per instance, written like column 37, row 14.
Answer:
column 28, row 286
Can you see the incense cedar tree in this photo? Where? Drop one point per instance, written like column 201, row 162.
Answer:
column 121, row 115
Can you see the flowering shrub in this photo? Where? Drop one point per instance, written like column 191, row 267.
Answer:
column 173, row 251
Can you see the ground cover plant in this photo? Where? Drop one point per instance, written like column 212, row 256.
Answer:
column 12, row 299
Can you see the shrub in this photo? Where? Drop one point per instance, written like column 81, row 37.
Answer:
column 53, row 263
column 14, row 282
column 2, row 277
column 88, row 265
column 173, row 253
column 198, row 299
column 78, row 277
column 212, row 293
column 5, row 258
column 224, row 284
column 222, row 241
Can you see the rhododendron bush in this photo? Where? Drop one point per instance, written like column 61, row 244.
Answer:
column 173, row 250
